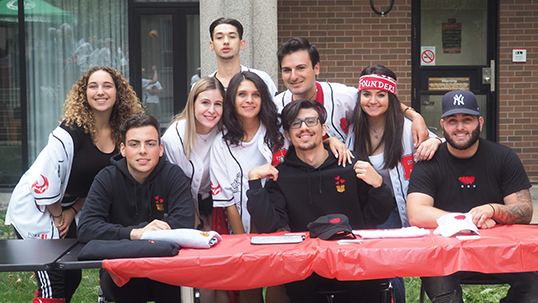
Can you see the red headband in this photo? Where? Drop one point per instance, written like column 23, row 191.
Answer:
column 375, row 81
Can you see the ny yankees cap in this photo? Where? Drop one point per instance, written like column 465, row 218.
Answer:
column 460, row 102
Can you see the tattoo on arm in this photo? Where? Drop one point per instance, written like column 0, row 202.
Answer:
column 520, row 212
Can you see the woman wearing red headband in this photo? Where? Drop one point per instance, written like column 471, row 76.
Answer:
column 382, row 137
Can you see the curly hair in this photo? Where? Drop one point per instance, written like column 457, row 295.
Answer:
column 268, row 113
column 78, row 111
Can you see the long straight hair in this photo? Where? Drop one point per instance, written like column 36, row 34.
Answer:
column 392, row 136
column 268, row 113
column 202, row 85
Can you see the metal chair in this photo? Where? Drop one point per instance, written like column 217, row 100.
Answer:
column 476, row 279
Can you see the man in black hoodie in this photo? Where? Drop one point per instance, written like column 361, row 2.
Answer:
column 140, row 191
column 309, row 184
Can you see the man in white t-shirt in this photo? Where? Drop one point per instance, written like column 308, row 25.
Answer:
column 226, row 41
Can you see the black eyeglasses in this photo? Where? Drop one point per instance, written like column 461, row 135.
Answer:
column 310, row 121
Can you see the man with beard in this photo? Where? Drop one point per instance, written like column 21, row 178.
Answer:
column 226, row 41
column 309, row 184
column 471, row 174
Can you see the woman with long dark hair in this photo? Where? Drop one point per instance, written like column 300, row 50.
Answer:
column 382, row 137
column 251, row 138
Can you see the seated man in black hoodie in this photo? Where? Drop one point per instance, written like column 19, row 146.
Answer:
column 309, row 184
column 134, row 194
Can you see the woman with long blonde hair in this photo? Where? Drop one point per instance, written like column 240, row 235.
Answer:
column 50, row 195
column 187, row 143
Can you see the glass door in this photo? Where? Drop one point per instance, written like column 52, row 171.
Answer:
column 455, row 47
column 168, row 37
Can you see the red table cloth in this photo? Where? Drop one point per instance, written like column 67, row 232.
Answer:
column 234, row 263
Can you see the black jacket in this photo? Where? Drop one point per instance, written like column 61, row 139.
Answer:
column 303, row 193
column 117, row 203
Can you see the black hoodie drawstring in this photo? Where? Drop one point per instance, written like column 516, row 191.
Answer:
column 148, row 186
column 309, row 190
column 319, row 173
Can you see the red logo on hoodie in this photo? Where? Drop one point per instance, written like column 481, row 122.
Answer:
column 159, row 203
column 340, row 186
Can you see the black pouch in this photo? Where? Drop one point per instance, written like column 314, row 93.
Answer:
column 115, row 249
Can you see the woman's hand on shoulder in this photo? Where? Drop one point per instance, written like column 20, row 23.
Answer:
column 340, row 151
column 427, row 149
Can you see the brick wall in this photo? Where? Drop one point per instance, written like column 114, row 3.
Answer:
column 350, row 36
column 518, row 82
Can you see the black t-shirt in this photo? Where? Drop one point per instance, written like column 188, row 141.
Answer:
column 457, row 185
column 87, row 162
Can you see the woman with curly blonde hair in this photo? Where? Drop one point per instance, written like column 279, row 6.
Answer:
column 51, row 193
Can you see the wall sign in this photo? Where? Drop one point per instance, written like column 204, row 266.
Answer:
column 519, row 55
column 448, row 83
column 427, row 55
column 451, row 36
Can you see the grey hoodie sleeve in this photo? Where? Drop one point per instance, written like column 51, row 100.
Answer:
column 268, row 211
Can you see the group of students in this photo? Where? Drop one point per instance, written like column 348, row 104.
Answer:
column 228, row 142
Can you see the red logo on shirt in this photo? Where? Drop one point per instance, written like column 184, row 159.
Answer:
column 278, row 157
column 159, row 203
column 468, row 181
column 335, row 220
column 344, row 125
column 408, row 164
column 215, row 190
column 41, row 188
column 460, row 217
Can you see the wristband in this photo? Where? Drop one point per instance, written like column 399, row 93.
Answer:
column 76, row 212
column 58, row 216
column 409, row 107
column 439, row 139
column 493, row 210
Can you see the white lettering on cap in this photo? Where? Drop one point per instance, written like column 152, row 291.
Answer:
column 458, row 100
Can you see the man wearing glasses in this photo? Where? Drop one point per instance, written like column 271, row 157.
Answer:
column 309, row 184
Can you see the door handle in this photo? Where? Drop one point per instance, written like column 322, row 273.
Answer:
column 488, row 75
column 492, row 75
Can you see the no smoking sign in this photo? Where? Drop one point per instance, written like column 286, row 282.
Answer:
column 427, row 55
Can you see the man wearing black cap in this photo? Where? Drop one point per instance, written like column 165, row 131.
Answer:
column 309, row 184
column 471, row 174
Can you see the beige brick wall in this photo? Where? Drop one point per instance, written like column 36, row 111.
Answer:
column 350, row 36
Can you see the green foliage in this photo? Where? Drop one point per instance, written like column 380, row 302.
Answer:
column 471, row 293
column 6, row 231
